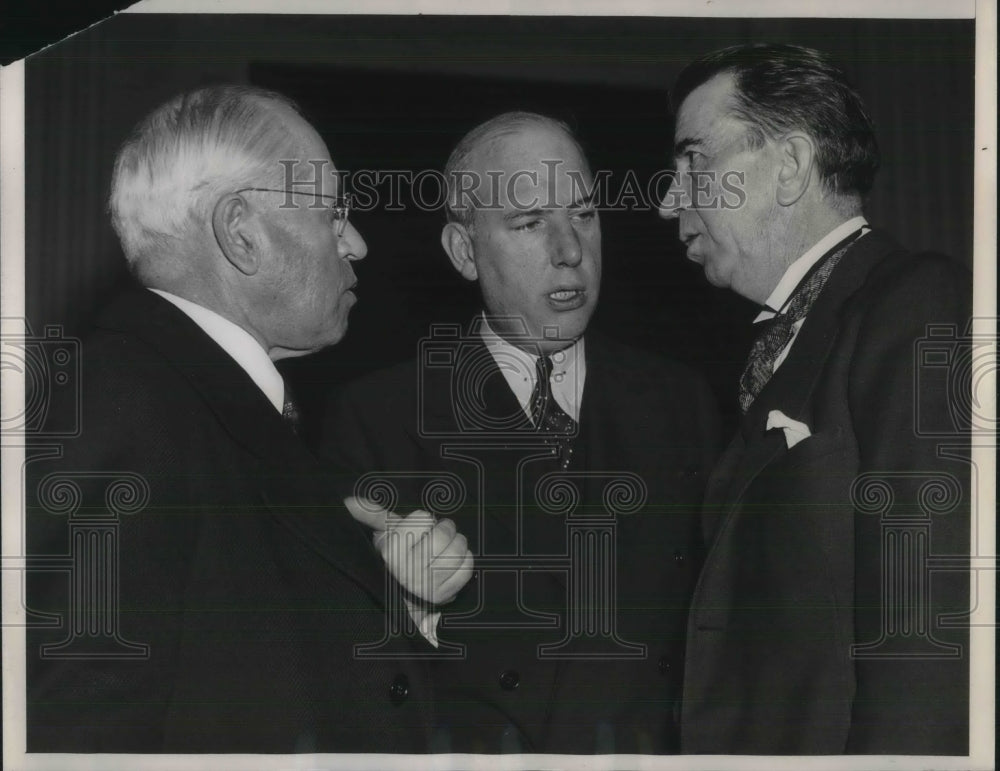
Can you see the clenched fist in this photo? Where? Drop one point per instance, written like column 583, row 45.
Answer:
column 428, row 557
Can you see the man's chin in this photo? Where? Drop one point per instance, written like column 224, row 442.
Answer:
column 306, row 348
column 563, row 330
column 715, row 277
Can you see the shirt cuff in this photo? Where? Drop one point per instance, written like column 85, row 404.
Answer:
column 425, row 619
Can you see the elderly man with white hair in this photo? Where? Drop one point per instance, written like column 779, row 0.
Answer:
column 236, row 589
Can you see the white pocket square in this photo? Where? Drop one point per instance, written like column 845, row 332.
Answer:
column 795, row 431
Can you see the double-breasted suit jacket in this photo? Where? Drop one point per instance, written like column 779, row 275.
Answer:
column 235, row 566
column 537, row 673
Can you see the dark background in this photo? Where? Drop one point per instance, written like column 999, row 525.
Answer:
column 397, row 93
column 28, row 26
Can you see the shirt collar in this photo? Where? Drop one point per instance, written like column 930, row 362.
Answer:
column 569, row 370
column 238, row 343
column 798, row 269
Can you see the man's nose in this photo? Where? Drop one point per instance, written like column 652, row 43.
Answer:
column 350, row 245
column 678, row 196
column 566, row 249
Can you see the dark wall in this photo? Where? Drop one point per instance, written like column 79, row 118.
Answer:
column 397, row 92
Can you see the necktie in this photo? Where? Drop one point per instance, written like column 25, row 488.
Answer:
column 548, row 416
column 290, row 410
column 778, row 331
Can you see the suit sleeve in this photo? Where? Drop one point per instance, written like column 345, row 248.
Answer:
column 911, row 672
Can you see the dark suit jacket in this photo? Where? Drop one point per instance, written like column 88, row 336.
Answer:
column 653, row 420
column 796, row 574
column 242, row 573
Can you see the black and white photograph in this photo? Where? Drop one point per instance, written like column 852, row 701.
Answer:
column 575, row 385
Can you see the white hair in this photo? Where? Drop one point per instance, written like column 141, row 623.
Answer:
column 186, row 154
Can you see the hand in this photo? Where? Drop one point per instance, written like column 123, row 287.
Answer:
column 430, row 558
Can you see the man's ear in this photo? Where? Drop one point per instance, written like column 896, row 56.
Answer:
column 457, row 244
column 234, row 234
column 797, row 158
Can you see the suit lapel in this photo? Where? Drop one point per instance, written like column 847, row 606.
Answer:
column 597, row 404
column 471, row 395
column 291, row 480
column 792, row 387
column 228, row 391
column 718, row 502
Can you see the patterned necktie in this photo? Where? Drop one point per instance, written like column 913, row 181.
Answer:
column 290, row 410
column 548, row 416
column 778, row 331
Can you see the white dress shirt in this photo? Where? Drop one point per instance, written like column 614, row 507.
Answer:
column 239, row 344
column 569, row 371
column 797, row 271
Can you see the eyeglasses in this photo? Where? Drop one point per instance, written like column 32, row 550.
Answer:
column 339, row 205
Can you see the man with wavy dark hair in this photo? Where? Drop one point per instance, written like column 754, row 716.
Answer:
column 816, row 624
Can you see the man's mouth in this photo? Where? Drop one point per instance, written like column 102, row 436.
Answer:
column 688, row 240
column 567, row 299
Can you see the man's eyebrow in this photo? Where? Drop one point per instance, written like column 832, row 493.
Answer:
column 539, row 211
column 515, row 213
column 683, row 144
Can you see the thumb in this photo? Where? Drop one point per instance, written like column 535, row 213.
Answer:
column 370, row 513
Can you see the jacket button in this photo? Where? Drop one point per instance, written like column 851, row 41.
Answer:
column 678, row 558
column 664, row 665
column 400, row 689
column 509, row 680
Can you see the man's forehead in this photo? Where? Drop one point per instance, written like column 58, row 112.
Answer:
column 306, row 161
column 706, row 110
column 531, row 147
column 535, row 158
column 313, row 171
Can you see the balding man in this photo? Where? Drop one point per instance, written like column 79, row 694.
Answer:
column 238, row 584
column 582, row 463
